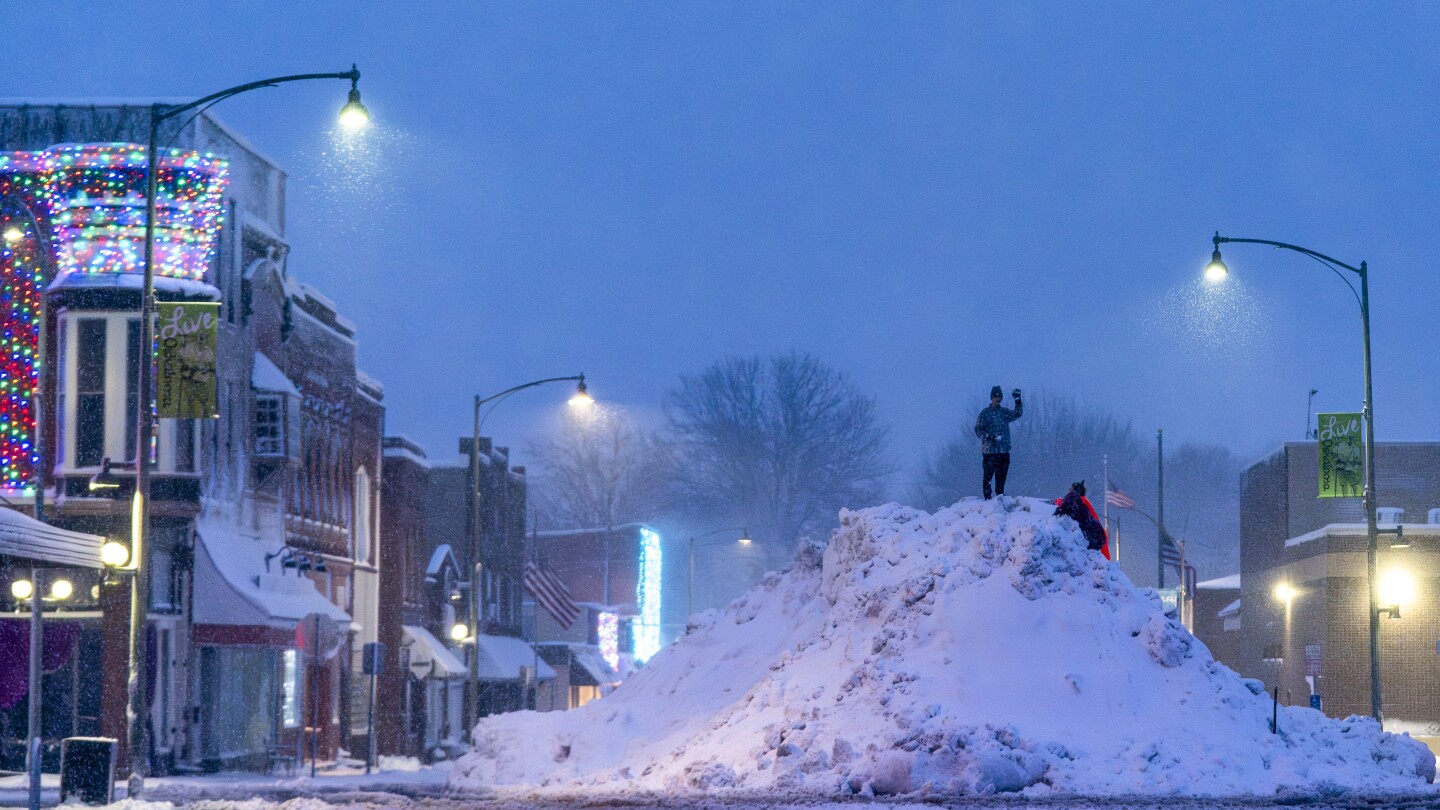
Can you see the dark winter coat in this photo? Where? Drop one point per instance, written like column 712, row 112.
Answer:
column 992, row 427
column 1077, row 507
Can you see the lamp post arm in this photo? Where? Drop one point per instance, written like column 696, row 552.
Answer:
column 163, row 112
column 1359, row 271
column 508, row 391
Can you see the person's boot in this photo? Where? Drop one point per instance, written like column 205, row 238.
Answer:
column 987, row 492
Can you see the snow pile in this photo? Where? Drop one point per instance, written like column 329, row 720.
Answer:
column 979, row 649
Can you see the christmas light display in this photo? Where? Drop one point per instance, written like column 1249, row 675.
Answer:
column 609, row 632
column 98, row 201
column 22, row 272
column 79, row 212
column 647, row 597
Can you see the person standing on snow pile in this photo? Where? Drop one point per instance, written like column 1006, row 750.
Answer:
column 992, row 428
column 1077, row 507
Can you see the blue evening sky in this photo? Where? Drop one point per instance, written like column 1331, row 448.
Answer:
column 932, row 197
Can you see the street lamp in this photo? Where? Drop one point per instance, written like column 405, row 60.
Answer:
column 744, row 540
column 136, row 741
column 1217, row 271
column 580, row 400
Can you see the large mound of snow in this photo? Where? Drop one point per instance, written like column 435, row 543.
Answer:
column 979, row 649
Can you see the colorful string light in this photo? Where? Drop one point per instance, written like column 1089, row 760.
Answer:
column 87, row 204
column 608, row 629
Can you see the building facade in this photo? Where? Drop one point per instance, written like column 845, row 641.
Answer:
column 261, row 518
column 1304, row 607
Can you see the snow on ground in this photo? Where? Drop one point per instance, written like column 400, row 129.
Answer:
column 976, row 650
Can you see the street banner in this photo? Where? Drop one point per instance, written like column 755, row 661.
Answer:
column 1342, row 460
column 185, row 342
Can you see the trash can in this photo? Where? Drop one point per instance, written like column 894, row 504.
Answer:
column 87, row 769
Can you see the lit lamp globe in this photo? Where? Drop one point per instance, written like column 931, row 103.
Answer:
column 353, row 116
column 582, row 398
column 459, row 632
column 13, row 234
column 1284, row 592
column 114, row 554
column 61, row 589
column 21, row 589
column 745, row 538
column 1216, row 271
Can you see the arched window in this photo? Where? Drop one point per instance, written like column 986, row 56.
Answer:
column 360, row 527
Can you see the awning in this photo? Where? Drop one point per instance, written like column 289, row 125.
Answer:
column 28, row 539
column 266, row 376
column 234, row 587
column 430, row 658
column 592, row 666
column 501, row 658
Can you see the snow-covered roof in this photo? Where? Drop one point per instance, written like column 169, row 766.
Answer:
column 230, row 571
column 437, row 560
column 268, row 377
column 1230, row 583
column 1361, row 530
column 406, row 453
column 426, row 649
column 370, row 382
column 133, row 281
column 29, row 539
column 500, row 658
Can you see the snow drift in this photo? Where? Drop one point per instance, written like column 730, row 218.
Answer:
column 979, row 649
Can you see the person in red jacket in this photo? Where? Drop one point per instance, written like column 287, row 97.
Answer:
column 1077, row 507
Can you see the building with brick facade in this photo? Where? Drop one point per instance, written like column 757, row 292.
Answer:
column 261, row 516
column 1311, row 636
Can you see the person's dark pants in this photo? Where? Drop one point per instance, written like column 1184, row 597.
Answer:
column 998, row 466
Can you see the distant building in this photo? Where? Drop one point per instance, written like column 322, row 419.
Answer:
column 1311, row 636
column 430, row 556
column 1216, row 611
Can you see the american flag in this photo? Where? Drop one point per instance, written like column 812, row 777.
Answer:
column 550, row 591
column 1170, row 554
column 1115, row 497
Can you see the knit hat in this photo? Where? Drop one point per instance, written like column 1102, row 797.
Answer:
column 996, row 392
column 1079, row 487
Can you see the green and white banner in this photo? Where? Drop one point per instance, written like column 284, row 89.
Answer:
column 1342, row 459
column 185, row 342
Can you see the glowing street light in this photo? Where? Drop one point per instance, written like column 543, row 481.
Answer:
column 1216, row 271
column 353, row 116
column 1285, row 592
column 581, row 398
column 61, row 589
column 21, row 589
column 13, row 234
column 459, row 631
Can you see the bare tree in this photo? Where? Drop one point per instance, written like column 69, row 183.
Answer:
column 603, row 470
column 778, row 443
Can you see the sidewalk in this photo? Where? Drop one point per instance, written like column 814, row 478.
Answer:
column 395, row 774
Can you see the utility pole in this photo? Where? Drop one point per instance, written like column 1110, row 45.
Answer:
column 1160, row 509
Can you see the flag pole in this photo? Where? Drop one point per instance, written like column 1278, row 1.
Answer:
column 1160, row 511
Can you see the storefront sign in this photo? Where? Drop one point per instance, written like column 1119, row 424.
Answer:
column 185, row 340
column 1342, row 461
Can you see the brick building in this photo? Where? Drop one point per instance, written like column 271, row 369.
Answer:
column 260, row 517
column 1312, row 636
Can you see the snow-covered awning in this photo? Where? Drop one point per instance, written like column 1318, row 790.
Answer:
column 233, row 587
column 426, row 649
column 29, row 539
column 594, row 664
column 1229, row 583
column 1229, row 610
column 268, row 377
column 501, row 658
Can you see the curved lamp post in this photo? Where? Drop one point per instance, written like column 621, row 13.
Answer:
column 352, row 116
column 1216, row 271
column 744, row 540
column 580, row 399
